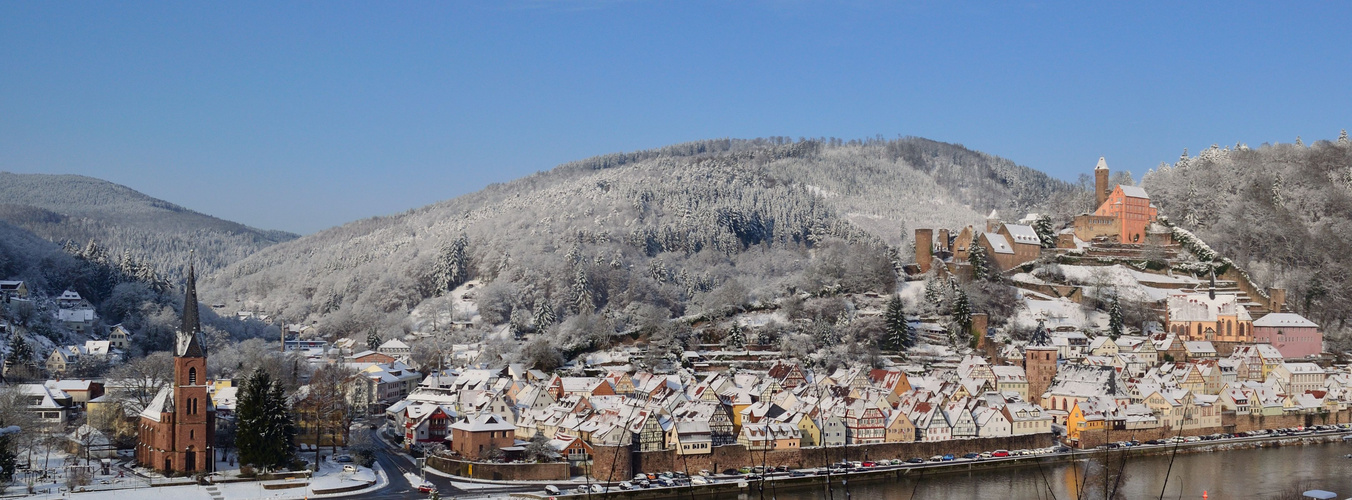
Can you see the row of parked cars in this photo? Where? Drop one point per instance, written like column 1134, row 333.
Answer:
column 1289, row 431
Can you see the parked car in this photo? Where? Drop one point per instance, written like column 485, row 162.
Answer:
column 916, row 460
column 870, row 464
column 349, row 469
column 552, row 490
column 700, row 480
column 936, row 458
column 640, row 477
column 596, row 488
column 730, row 472
column 427, row 488
column 947, row 458
column 753, row 477
column 1000, row 453
column 972, row 456
column 343, row 459
column 626, row 485
column 797, row 473
column 705, row 472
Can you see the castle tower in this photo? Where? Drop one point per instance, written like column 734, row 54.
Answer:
column 924, row 246
column 1101, row 189
column 1039, row 365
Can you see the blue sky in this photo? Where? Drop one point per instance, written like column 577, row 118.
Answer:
column 302, row 116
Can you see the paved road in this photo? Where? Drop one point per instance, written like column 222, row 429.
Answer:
column 396, row 465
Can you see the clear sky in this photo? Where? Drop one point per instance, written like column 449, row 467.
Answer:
column 302, row 116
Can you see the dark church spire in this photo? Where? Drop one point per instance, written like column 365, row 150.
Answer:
column 189, row 341
column 191, row 324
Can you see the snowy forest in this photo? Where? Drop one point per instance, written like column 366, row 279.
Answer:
column 1282, row 212
column 622, row 242
column 78, row 209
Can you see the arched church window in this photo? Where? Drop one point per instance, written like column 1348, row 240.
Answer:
column 192, row 376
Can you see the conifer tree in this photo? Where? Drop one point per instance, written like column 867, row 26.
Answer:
column 736, row 337
column 373, row 340
column 894, row 321
column 1045, row 232
column 1114, row 319
column 544, row 315
column 980, row 265
column 932, row 294
column 582, row 295
column 962, row 312
column 1342, row 138
column 264, row 434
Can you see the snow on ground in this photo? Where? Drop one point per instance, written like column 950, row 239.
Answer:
column 760, row 319
column 1056, row 313
column 911, row 292
column 330, row 476
column 1128, row 283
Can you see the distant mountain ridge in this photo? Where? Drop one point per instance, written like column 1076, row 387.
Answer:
column 672, row 227
column 77, row 208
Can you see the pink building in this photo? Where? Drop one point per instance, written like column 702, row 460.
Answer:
column 1292, row 334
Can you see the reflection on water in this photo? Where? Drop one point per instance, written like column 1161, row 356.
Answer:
column 1253, row 473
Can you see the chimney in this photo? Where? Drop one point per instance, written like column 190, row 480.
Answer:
column 924, row 245
column 1101, row 189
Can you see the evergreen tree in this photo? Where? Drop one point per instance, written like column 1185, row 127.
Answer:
column 264, row 432
column 8, row 455
column 582, row 294
column 452, row 266
column 1114, row 319
column 932, row 293
column 894, row 322
column 1342, row 138
column 736, row 337
column 962, row 312
column 544, row 315
column 20, row 353
column 373, row 340
column 1045, row 232
column 980, row 265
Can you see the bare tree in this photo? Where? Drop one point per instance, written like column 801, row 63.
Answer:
column 137, row 381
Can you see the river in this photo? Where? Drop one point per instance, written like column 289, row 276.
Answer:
column 1273, row 472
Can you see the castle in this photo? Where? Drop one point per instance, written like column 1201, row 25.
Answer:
column 177, row 431
column 1124, row 212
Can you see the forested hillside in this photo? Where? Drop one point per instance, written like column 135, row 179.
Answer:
column 618, row 241
column 1283, row 212
column 62, row 208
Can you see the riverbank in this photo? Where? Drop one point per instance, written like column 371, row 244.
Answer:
column 727, row 486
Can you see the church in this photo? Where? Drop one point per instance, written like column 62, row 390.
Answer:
column 177, row 431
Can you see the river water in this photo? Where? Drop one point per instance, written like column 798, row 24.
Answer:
column 1262, row 473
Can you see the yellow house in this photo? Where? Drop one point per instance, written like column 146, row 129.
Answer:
column 900, row 429
column 811, row 434
column 1079, row 421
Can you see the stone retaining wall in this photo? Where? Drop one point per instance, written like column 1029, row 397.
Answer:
column 618, row 463
column 556, row 471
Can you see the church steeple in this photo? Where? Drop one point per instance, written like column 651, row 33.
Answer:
column 189, row 339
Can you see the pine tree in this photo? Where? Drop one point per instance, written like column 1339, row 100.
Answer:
column 544, row 315
column 962, row 312
column 1342, row 138
column 1114, row 319
column 736, row 337
column 264, row 432
column 1045, row 232
column 582, row 295
column 980, row 266
column 894, row 321
column 932, row 294
column 452, row 265
column 373, row 340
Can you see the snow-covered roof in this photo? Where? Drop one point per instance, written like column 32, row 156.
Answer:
column 1023, row 234
column 163, row 402
column 998, row 243
column 484, row 423
column 1285, row 320
column 69, row 295
column 1201, row 307
column 1102, row 164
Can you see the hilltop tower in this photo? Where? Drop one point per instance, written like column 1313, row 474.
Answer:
column 1039, row 364
column 1101, row 189
column 178, row 427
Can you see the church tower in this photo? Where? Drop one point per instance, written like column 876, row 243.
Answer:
column 1101, row 189
column 194, row 425
column 177, row 433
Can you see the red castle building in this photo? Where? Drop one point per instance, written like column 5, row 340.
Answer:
column 177, row 432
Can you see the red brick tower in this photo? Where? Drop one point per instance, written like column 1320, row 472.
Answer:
column 178, row 428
